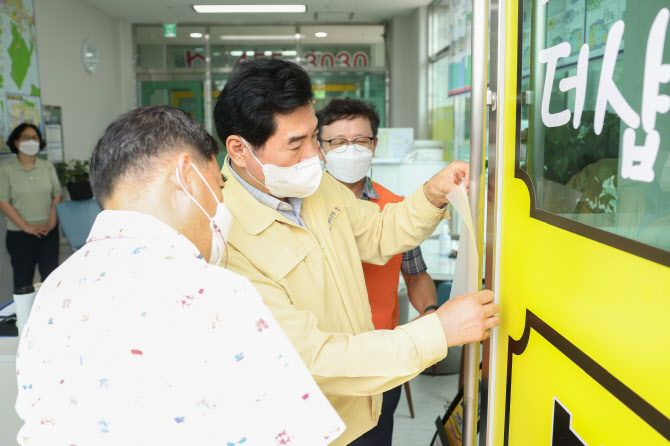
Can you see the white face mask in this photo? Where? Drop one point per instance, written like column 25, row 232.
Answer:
column 220, row 223
column 29, row 148
column 300, row 180
column 351, row 165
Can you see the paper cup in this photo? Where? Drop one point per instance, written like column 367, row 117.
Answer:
column 23, row 302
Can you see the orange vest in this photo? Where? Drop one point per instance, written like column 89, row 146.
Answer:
column 382, row 280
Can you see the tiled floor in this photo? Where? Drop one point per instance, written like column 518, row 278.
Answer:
column 431, row 396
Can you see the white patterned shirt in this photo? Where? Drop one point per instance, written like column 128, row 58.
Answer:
column 136, row 340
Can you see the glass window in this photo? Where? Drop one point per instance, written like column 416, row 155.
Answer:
column 234, row 43
column 343, row 61
column 369, row 87
column 351, row 46
column 595, row 138
column 185, row 50
column 183, row 94
column 450, row 77
column 442, row 106
column 440, row 24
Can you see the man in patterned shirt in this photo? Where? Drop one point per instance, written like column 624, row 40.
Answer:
column 139, row 337
column 348, row 137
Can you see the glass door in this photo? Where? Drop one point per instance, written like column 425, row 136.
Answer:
column 189, row 68
column 185, row 95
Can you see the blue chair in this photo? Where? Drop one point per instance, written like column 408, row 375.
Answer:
column 76, row 219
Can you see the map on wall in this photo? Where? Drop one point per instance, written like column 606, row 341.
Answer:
column 19, row 77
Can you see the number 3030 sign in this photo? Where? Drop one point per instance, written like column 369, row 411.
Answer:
column 341, row 59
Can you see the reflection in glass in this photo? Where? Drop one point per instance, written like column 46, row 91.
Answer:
column 607, row 172
column 450, row 77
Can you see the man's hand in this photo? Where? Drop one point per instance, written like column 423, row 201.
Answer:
column 445, row 181
column 468, row 317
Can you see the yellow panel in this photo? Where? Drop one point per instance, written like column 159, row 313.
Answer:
column 543, row 374
column 611, row 305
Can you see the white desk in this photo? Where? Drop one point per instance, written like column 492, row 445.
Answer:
column 10, row 423
column 439, row 267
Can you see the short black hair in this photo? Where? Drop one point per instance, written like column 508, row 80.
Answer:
column 258, row 90
column 348, row 108
column 16, row 134
column 133, row 143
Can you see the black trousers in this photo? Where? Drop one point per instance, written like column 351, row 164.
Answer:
column 382, row 434
column 27, row 251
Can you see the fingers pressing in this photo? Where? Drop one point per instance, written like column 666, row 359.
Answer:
column 485, row 296
column 491, row 322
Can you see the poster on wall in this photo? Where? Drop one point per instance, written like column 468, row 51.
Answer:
column 23, row 108
column 53, row 122
column 19, row 76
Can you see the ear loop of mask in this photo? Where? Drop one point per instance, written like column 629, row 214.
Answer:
column 259, row 163
column 372, row 167
column 211, row 219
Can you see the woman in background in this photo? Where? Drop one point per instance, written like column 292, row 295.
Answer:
column 29, row 193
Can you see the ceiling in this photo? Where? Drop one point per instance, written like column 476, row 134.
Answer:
column 322, row 11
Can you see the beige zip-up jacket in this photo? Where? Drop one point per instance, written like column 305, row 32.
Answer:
column 312, row 281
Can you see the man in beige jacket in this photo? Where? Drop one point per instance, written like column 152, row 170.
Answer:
column 300, row 236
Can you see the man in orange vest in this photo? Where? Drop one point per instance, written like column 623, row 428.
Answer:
column 348, row 136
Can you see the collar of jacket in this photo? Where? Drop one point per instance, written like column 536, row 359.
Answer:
column 252, row 215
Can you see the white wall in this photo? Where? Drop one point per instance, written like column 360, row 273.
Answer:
column 408, row 36
column 124, row 37
column 89, row 101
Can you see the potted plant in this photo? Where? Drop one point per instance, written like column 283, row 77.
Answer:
column 75, row 177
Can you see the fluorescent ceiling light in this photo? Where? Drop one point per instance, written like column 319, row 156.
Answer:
column 205, row 9
column 320, row 34
column 196, row 35
column 289, row 53
column 236, row 53
column 268, row 53
column 255, row 37
column 250, row 53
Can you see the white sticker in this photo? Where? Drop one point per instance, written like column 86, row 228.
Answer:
column 467, row 261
